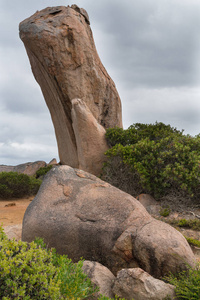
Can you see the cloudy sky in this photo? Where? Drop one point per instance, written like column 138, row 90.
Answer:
column 150, row 48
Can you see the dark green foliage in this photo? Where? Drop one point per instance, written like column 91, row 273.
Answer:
column 193, row 242
column 43, row 171
column 164, row 212
column 183, row 223
column 119, row 174
column 15, row 185
column 74, row 284
column 187, row 284
column 162, row 159
column 192, row 224
column 139, row 131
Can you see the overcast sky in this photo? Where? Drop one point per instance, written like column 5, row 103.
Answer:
column 150, row 48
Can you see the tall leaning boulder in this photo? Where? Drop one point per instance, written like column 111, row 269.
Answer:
column 83, row 216
column 65, row 63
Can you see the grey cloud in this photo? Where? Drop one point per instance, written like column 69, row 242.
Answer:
column 25, row 138
column 177, row 107
column 150, row 48
column 14, row 153
column 17, row 127
column 22, row 100
column 154, row 41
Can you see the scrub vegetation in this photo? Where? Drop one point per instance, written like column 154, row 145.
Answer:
column 31, row 271
column 153, row 158
column 15, row 185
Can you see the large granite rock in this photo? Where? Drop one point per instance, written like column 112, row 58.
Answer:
column 83, row 216
column 65, row 63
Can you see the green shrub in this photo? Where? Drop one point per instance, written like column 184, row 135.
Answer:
column 43, row 171
column 193, row 242
column 15, row 185
column 187, row 284
column 162, row 159
column 138, row 132
column 183, row 223
column 164, row 212
column 31, row 271
column 119, row 174
column 26, row 272
column 74, row 284
column 193, row 224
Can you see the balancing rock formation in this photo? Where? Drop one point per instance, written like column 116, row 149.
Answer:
column 81, row 96
column 83, row 216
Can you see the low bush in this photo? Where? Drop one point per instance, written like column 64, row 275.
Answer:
column 138, row 132
column 193, row 224
column 15, row 185
column 184, row 223
column 187, row 284
column 161, row 159
column 26, row 272
column 193, row 242
column 31, row 271
column 165, row 211
column 43, row 171
column 74, row 284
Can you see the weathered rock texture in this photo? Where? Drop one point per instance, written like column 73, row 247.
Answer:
column 152, row 206
column 13, row 231
column 138, row 285
column 66, row 65
column 83, row 216
column 101, row 277
column 53, row 162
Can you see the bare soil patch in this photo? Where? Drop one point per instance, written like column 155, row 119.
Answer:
column 12, row 211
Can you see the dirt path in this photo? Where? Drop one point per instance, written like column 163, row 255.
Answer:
column 12, row 211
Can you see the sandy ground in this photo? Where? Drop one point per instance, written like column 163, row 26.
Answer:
column 12, row 211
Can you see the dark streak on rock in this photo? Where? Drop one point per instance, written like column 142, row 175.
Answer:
column 85, row 219
column 61, row 201
column 55, row 12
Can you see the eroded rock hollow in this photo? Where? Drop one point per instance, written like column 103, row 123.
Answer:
column 81, row 96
